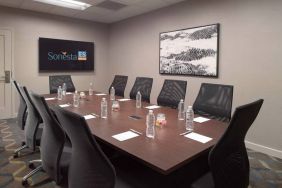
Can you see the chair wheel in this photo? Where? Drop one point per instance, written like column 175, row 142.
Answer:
column 25, row 183
column 23, row 143
column 16, row 155
column 31, row 166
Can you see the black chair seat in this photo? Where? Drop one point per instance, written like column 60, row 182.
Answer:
column 57, row 80
column 55, row 158
column 228, row 159
column 38, row 136
column 214, row 101
column 90, row 167
column 144, row 85
column 172, row 92
column 65, row 160
column 205, row 181
column 119, row 83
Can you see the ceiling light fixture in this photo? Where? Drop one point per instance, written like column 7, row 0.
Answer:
column 67, row 4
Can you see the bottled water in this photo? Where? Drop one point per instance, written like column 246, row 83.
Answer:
column 60, row 95
column 91, row 89
column 64, row 89
column 76, row 97
column 189, row 119
column 104, row 108
column 112, row 93
column 181, row 111
column 150, row 122
column 138, row 100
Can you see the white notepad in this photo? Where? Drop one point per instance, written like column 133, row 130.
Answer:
column 198, row 137
column 64, row 105
column 89, row 116
column 201, row 119
column 125, row 135
column 100, row 94
column 49, row 99
column 152, row 107
column 124, row 100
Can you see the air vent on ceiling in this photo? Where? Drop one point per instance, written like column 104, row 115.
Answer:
column 111, row 5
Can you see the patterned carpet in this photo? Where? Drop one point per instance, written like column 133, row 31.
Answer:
column 266, row 171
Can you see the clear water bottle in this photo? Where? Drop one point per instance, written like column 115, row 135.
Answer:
column 76, row 97
column 150, row 122
column 181, row 111
column 189, row 119
column 64, row 89
column 90, row 88
column 60, row 93
column 104, row 108
column 112, row 93
column 138, row 100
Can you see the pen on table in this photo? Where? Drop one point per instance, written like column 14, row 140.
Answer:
column 181, row 134
column 94, row 114
column 135, row 131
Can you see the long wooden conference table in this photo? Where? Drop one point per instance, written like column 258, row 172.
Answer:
column 167, row 152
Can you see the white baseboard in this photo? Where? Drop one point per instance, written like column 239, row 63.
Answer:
column 264, row 149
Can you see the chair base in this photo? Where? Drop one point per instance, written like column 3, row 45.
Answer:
column 30, row 174
column 31, row 163
column 16, row 153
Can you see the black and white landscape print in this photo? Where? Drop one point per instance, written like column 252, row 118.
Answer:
column 191, row 51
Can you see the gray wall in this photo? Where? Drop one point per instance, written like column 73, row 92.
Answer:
column 249, row 55
column 27, row 27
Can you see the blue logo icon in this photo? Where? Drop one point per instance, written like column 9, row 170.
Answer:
column 82, row 56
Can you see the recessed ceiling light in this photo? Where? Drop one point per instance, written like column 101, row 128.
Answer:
column 67, row 3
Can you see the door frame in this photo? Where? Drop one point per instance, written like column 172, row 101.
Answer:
column 10, row 31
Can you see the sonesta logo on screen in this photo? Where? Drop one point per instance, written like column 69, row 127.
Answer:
column 64, row 56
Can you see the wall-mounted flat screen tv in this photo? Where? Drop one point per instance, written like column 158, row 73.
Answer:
column 65, row 55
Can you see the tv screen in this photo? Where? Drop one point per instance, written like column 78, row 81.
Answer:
column 65, row 55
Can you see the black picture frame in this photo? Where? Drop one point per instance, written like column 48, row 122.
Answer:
column 190, row 52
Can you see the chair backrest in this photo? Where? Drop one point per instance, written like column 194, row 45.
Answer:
column 228, row 159
column 119, row 83
column 32, row 121
column 214, row 101
column 172, row 92
column 57, row 80
column 21, row 117
column 89, row 166
column 52, row 139
column 144, row 85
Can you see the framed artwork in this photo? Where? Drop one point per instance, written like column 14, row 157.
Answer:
column 192, row 51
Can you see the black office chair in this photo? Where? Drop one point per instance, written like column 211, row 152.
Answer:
column 89, row 166
column 228, row 160
column 54, row 161
column 214, row 101
column 32, row 131
column 22, row 111
column 144, row 85
column 172, row 92
column 57, row 80
column 119, row 83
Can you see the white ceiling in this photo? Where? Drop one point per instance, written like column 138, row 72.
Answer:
column 94, row 13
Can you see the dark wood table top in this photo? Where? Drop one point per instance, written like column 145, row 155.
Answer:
column 167, row 152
